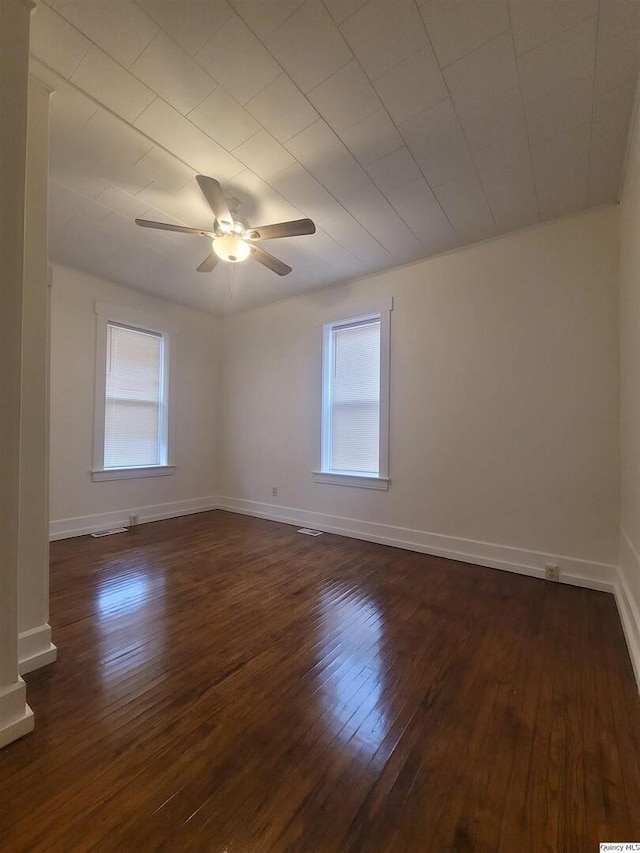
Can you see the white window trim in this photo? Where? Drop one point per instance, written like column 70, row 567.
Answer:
column 324, row 474
column 361, row 481
column 106, row 313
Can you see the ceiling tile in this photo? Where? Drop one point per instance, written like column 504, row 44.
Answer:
column 395, row 171
column 614, row 107
column 223, row 119
column 559, row 111
column 77, row 177
column 264, row 155
column 340, row 10
column 432, row 129
column 346, row 97
column 493, row 120
column 259, row 202
column 419, row 208
column 503, row 158
column 61, row 203
column 327, row 250
column 373, row 211
column 484, row 74
column 186, row 205
column 171, row 72
column 113, row 139
column 70, row 109
column 165, row 169
column 282, row 109
column 382, row 34
column 559, row 64
column 342, row 176
column 265, row 18
column 306, row 193
column 512, row 199
column 349, row 233
column 446, row 163
column 190, row 24
column 561, row 171
column 617, row 60
column 122, row 202
column 458, row 28
column 466, row 207
column 372, row 138
column 73, row 205
column 618, row 17
column 309, row 46
column 116, row 172
column 119, row 27
column 74, row 161
column 608, row 146
column 179, row 136
column 56, row 42
column 236, row 59
column 412, row 86
column 316, row 146
column 507, row 178
column 111, row 84
column 534, row 24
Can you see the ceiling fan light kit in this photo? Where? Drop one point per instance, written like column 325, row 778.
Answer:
column 232, row 240
column 231, row 248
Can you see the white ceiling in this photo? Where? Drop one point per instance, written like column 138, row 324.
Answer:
column 401, row 128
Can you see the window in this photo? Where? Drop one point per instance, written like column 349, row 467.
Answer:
column 355, row 397
column 131, row 435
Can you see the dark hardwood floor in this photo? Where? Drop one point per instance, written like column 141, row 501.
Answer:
column 227, row 684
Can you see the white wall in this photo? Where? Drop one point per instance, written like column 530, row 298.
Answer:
column 504, row 402
column 76, row 503
column 630, row 399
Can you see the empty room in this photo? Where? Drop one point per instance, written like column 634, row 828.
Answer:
column 320, row 426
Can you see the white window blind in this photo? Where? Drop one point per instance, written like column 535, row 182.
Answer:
column 133, row 429
column 355, row 398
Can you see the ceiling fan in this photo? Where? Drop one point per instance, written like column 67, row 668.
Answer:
column 233, row 239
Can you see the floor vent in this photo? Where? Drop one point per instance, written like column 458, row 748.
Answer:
column 310, row 532
column 113, row 530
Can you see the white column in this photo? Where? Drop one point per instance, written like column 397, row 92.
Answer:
column 35, row 648
column 16, row 718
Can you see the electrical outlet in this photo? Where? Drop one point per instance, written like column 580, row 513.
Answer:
column 133, row 520
column 552, row 572
column 274, row 491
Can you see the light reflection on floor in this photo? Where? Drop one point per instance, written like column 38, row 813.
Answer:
column 123, row 601
column 123, row 593
column 352, row 627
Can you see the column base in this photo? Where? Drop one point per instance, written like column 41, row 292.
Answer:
column 35, row 649
column 16, row 717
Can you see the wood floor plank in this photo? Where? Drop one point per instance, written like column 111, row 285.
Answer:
column 225, row 684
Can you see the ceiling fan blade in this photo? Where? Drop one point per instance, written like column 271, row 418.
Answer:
column 294, row 228
column 209, row 262
column 212, row 191
column 269, row 261
column 164, row 226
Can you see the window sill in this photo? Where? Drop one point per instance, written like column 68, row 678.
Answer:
column 131, row 473
column 361, row 481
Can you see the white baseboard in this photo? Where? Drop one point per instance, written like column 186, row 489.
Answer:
column 65, row 528
column 628, row 606
column 16, row 717
column 35, row 649
column 575, row 571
